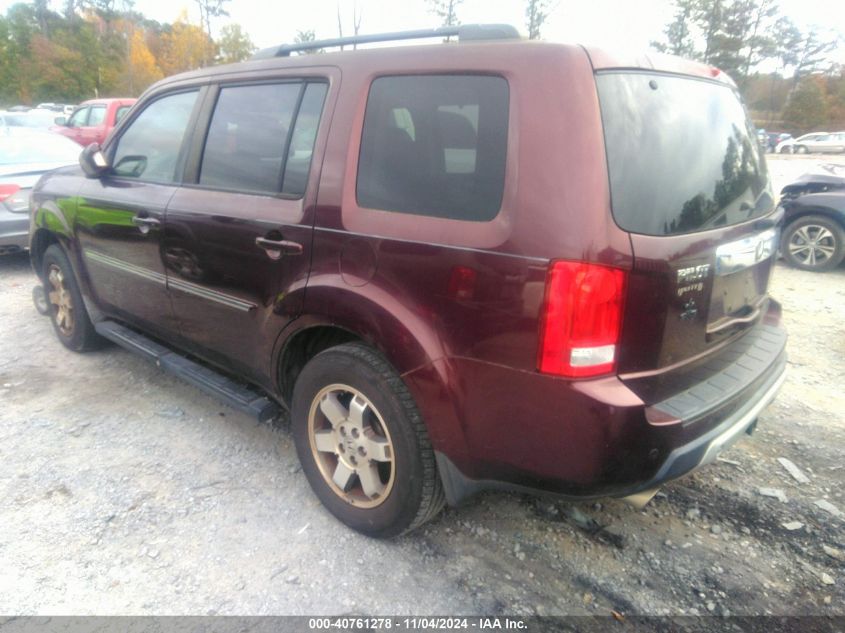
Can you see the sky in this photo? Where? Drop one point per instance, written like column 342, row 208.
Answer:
column 617, row 24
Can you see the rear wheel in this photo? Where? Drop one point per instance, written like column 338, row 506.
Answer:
column 786, row 150
column 362, row 442
column 813, row 243
column 800, row 149
column 66, row 309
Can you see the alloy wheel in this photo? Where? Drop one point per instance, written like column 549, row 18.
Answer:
column 61, row 302
column 812, row 245
column 351, row 445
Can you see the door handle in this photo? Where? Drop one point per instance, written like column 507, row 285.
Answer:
column 276, row 248
column 145, row 223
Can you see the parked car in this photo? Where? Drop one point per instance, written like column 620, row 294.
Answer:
column 93, row 120
column 422, row 262
column 35, row 119
column 813, row 237
column 791, row 146
column 776, row 138
column 25, row 155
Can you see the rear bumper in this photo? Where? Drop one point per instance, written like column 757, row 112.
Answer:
column 581, row 440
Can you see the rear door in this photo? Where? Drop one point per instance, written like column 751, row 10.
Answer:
column 238, row 234
column 689, row 184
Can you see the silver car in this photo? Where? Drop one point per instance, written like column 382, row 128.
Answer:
column 820, row 143
column 26, row 155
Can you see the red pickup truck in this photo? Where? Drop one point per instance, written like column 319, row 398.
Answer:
column 92, row 121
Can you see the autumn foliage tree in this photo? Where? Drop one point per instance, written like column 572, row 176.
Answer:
column 102, row 48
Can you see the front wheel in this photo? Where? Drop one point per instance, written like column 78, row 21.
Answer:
column 362, row 443
column 814, row 243
column 66, row 309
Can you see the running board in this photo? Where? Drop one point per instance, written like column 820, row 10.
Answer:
column 232, row 393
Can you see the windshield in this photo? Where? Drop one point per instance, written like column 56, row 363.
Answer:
column 681, row 153
column 38, row 148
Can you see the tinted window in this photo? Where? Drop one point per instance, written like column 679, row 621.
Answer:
column 302, row 140
column 97, row 116
column 681, row 153
column 247, row 138
column 149, row 148
column 435, row 145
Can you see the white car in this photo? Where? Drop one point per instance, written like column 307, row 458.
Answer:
column 816, row 142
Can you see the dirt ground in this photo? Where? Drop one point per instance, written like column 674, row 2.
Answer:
column 125, row 491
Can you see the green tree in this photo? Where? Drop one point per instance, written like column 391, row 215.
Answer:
column 446, row 10
column 303, row 37
column 234, row 44
column 678, row 35
column 806, row 108
column 536, row 12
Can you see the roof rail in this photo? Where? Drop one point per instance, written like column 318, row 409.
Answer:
column 465, row 32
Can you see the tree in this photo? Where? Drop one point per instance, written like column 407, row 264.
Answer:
column 235, row 45
column 142, row 68
column 303, row 37
column 679, row 39
column 185, row 47
column 812, row 52
column 806, row 107
column 446, row 10
column 210, row 9
column 536, row 12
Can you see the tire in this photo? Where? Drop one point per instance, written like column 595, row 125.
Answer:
column 786, row 150
column 353, row 414
column 800, row 149
column 813, row 242
column 67, row 310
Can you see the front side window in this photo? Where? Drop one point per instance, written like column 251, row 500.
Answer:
column 97, row 116
column 435, row 145
column 245, row 146
column 149, row 148
column 78, row 118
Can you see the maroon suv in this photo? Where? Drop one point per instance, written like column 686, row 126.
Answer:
column 486, row 264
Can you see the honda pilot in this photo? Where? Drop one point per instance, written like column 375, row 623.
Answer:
column 483, row 264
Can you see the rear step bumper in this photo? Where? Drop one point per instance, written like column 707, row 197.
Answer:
column 234, row 394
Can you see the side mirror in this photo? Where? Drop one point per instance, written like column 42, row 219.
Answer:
column 92, row 161
column 60, row 120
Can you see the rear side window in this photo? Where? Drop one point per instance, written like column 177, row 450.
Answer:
column 681, row 153
column 121, row 112
column 248, row 136
column 435, row 145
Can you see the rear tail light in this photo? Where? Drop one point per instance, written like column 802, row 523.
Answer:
column 581, row 319
column 8, row 190
column 15, row 198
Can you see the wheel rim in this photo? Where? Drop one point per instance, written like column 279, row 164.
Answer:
column 812, row 245
column 61, row 302
column 351, row 445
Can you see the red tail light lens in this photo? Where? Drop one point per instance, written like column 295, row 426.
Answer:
column 7, row 191
column 581, row 320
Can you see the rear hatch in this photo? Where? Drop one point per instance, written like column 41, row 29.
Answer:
column 690, row 186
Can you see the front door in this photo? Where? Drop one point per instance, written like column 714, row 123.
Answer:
column 238, row 240
column 120, row 216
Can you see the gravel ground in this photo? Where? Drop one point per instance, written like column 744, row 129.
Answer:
column 125, row 491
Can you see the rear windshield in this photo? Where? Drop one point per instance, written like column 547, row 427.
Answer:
column 681, row 153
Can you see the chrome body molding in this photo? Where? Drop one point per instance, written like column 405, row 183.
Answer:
column 169, row 282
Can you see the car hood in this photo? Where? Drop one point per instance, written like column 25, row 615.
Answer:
column 27, row 174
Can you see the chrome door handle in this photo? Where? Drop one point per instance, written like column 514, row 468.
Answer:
column 277, row 248
column 145, row 223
